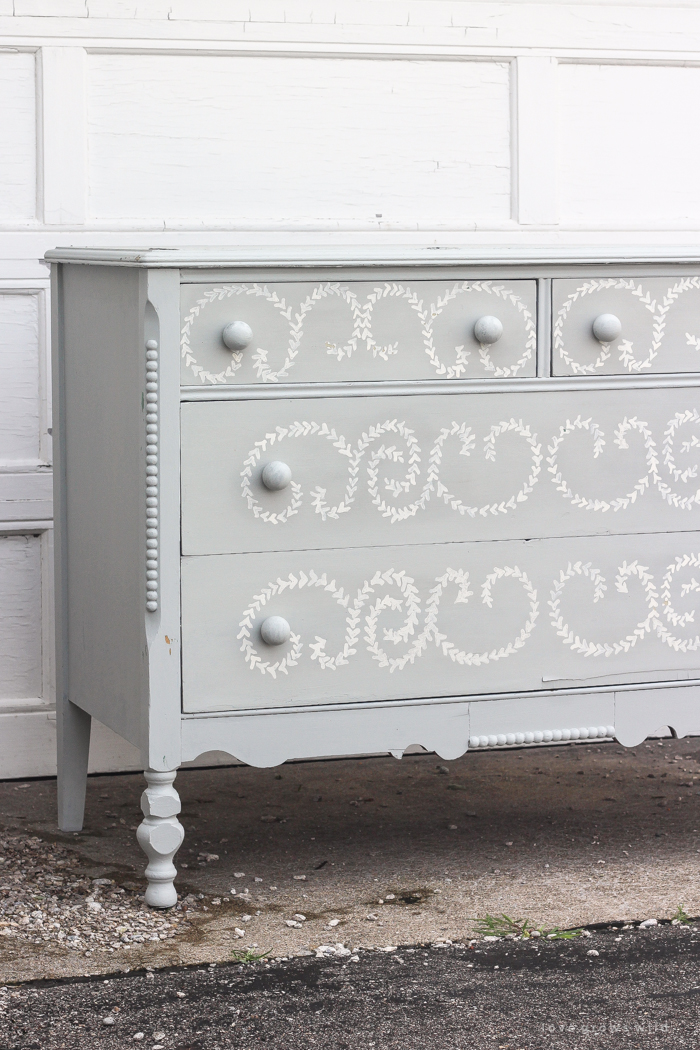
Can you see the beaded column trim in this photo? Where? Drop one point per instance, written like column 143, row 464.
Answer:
column 152, row 568
column 544, row 736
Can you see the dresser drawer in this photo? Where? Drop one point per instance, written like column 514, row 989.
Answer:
column 440, row 619
column 610, row 325
column 439, row 468
column 334, row 331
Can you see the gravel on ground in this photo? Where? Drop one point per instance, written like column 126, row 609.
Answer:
column 44, row 899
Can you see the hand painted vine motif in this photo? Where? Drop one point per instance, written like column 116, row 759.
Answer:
column 380, row 443
column 395, row 591
column 390, row 590
column 653, row 476
column 661, row 618
column 457, row 370
column 362, row 336
column 236, row 357
column 393, row 442
column 630, row 359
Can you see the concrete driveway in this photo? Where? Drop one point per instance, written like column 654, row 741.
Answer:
column 371, row 853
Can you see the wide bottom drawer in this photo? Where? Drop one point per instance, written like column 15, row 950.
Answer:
column 438, row 620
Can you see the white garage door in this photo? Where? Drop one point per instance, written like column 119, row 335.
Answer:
column 181, row 122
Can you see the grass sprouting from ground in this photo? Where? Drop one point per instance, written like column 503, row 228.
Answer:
column 502, row 925
column 247, row 955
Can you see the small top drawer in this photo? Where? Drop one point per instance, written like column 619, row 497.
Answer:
column 618, row 325
column 362, row 331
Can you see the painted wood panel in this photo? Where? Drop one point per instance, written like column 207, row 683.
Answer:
column 26, row 496
column 627, row 149
column 438, row 620
column 658, row 320
column 334, row 330
column 298, row 139
column 64, row 135
column 20, row 618
column 444, row 468
column 29, row 746
column 103, row 383
column 20, row 381
column 620, row 25
column 18, row 137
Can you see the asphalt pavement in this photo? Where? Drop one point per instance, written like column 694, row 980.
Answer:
column 369, row 883
column 627, row 988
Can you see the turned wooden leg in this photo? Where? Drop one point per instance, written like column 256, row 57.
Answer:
column 73, row 731
column 160, row 836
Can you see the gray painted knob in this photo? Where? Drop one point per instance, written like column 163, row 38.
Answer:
column 276, row 475
column 237, row 335
column 606, row 327
column 275, row 630
column 488, row 329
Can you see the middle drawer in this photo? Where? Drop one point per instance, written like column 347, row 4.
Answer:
column 373, row 471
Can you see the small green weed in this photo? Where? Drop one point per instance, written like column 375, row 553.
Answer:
column 681, row 915
column 247, row 955
column 501, row 925
column 557, row 934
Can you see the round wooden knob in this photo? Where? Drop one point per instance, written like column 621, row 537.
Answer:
column 276, row 475
column 237, row 335
column 275, row 630
column 488, row 329
column 607, row 327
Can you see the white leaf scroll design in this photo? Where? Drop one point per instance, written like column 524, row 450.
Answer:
column 652, row 477
column 630, row 358
column 660, row 616
column 390, row 590
column 391, row 441
column 395, row 591
column 236, row 357
column 362, row 328
column 458, row 369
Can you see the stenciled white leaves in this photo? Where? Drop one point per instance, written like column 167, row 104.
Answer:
column 653, row 476
column 630, row 359
column 658, row 609
column 395, row 591
column 457, row 370
column 390, row 590
column 236, row 357
column 362, row 335
column 391, row 441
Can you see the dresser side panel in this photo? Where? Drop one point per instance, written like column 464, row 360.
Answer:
column 103, row 449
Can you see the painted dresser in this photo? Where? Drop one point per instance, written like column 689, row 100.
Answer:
column 314, row 504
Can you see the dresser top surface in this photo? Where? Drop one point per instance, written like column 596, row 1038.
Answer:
column 369, row 257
